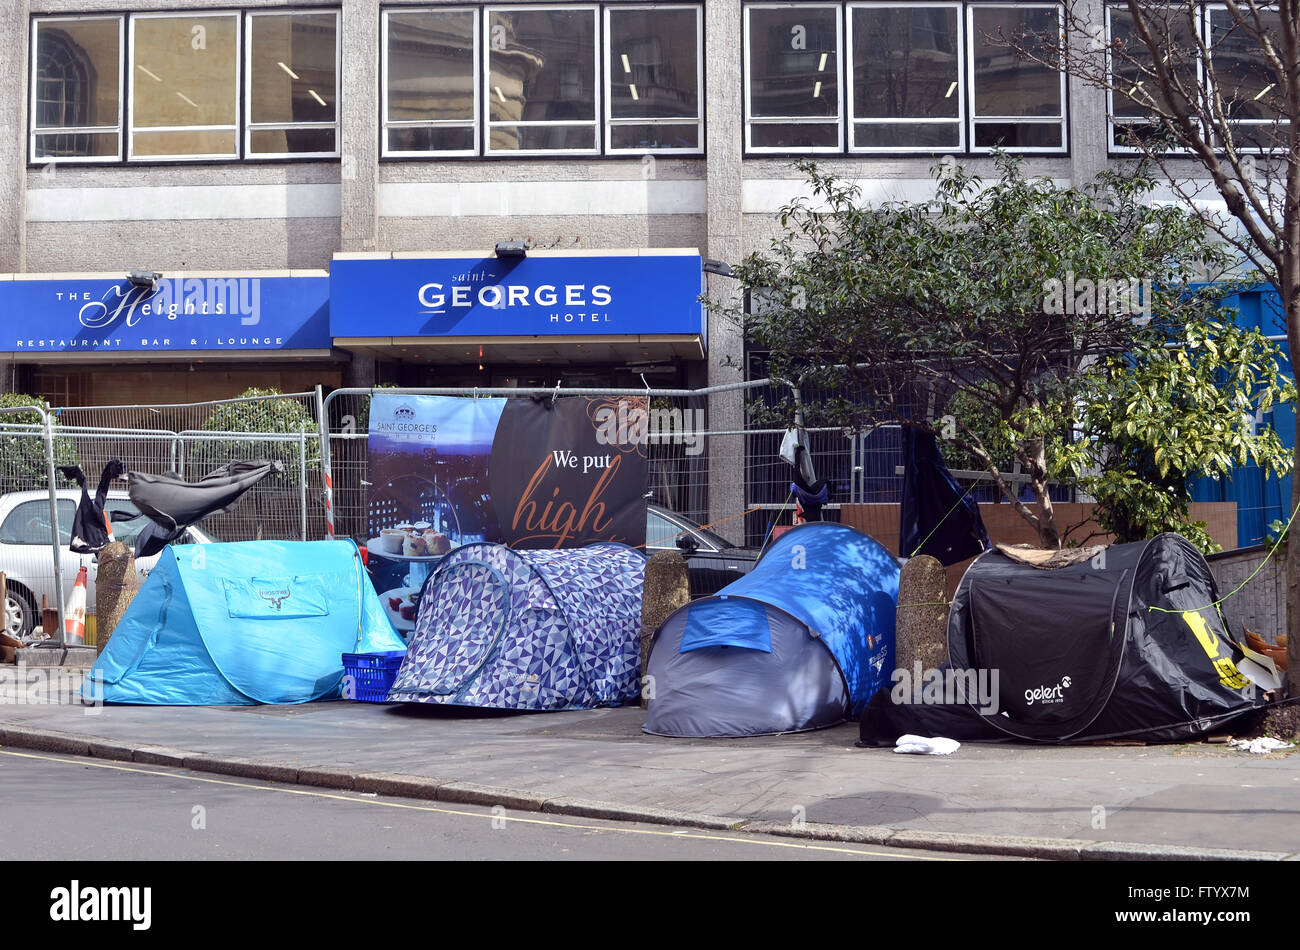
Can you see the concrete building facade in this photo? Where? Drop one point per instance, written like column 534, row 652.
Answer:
column 184, row 137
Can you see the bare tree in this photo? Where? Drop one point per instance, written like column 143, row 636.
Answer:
column 1210, row 93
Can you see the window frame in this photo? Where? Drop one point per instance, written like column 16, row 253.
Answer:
column 962, row 120
column 1112, row 126
column 974, row 119
column 486, row 150
column 63, row 506
column 34, row 133
column 248, row 127
column 475, row 120
column 129, row 129
column 1207, row 32
column 748, row 119
column 607, row 51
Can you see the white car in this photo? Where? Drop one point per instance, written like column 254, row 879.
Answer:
column 28, row 562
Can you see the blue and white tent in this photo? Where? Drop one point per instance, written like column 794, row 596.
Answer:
column 801, row 642
column 243, row 623
column 535, row 629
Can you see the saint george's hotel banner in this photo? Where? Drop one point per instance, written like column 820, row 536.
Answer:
column 529, row 472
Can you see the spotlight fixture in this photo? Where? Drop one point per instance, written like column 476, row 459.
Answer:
column 144, row 278
column 721, row 268
column 515, row 249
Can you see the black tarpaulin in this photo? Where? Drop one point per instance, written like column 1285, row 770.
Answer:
column 90, row 529
column 173, row 503
column 936, row 516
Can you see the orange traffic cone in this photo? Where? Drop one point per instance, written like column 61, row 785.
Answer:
column 74, row 618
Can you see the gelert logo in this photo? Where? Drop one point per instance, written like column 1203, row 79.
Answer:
column 276, row 597
column 1048, row 695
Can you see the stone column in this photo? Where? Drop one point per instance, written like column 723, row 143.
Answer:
column 1087, row 105
column 115, row 587
column 359, row 127
column 921, row 632
column 667, row 587
column 16, row 30
column 723, row 60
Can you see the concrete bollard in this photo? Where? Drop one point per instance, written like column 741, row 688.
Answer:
column 667, row 587
column 115, row 588
column 922, row 620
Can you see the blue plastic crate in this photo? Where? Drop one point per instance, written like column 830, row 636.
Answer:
column 372, row 674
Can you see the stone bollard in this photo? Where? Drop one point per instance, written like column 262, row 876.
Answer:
column 667, row 587
column 115, row 587
column 922, row 620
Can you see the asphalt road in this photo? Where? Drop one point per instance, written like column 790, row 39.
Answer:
column 84, row 809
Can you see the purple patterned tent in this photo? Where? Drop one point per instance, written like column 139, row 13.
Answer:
column 534, row 629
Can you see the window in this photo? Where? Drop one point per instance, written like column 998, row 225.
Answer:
column 652, row 67
column 76, row 91
column 431, row 102
column 792, row 79
column 1132, row 96
column 126, row 531
column 907, row 86
column 184, row 86
column 168, row 86
column 29, row 522
column 1015, row 103
column 660, row 533
column 541, row 80
column 1245, row 82
column 544, row 79
column 922, row 76
column 292, row 85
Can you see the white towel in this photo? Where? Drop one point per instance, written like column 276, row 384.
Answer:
column 1261, row 746
column 919, row 745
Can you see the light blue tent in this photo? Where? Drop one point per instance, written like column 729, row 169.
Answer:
column 243, row 623
column 801, row 642
column 543, row 629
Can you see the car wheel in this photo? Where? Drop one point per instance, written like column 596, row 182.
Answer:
column 20, row 614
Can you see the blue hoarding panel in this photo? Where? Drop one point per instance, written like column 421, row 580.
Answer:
column 531, row 296
column 1260, row 500
column 185, row 314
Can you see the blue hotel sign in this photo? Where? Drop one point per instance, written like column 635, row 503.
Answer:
column 87, row 315
column 531, row 296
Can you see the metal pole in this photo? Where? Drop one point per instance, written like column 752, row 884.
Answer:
column 302, row 477
column 326, row 476
column 798, row 426
column 54, row 525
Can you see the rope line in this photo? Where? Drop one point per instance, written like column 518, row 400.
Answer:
column 943, row 519
column 1268, row 557
column 772, row 526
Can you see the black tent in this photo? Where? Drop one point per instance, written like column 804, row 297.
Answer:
column 1128, row 643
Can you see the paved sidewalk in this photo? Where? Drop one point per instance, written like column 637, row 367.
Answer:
column 1199, row 796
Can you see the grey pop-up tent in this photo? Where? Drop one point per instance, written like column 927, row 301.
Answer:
column 1131, row 643
column 799, row 643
